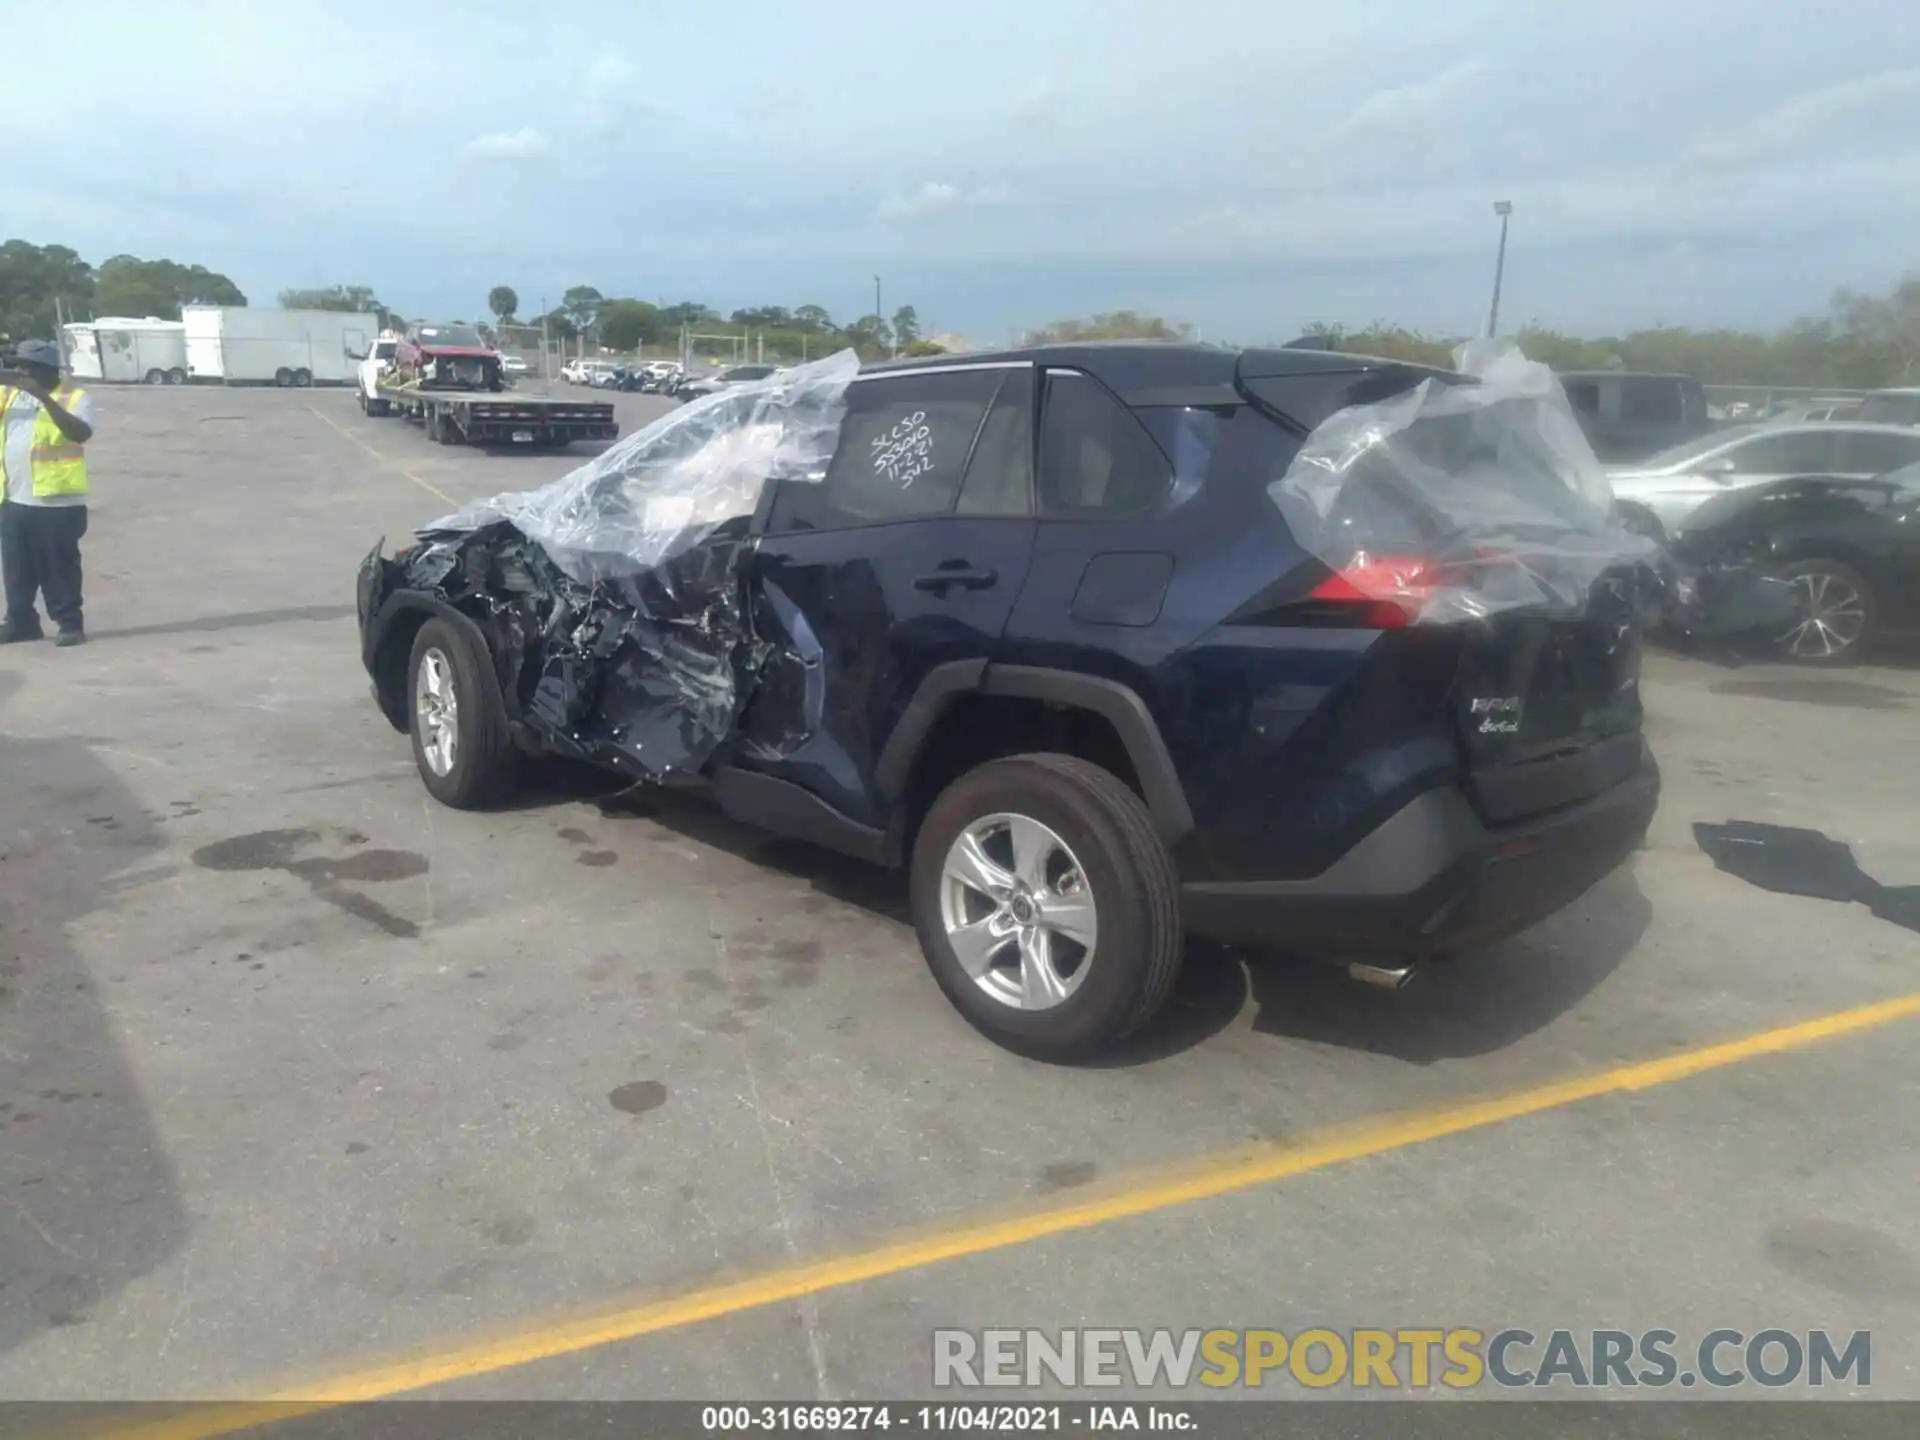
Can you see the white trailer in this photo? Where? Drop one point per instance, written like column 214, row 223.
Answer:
column 241, row 345
column 123, row 349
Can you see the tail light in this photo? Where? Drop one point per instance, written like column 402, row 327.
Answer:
column 1373, row 592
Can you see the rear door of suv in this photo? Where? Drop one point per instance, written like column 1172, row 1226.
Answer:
column 906, row 555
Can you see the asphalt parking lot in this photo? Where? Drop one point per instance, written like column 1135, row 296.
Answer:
column 300, row 1073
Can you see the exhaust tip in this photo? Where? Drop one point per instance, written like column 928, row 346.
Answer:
column 1384, row 977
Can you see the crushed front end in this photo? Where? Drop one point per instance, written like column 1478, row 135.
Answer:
column 612, row 603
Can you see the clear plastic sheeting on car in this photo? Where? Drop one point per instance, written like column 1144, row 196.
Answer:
column 611, row 600
column 1463, row 497
column 666, row 487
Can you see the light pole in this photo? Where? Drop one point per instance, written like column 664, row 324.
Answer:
column 1504, row 209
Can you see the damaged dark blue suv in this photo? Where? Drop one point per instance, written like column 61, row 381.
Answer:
column 1100, row 644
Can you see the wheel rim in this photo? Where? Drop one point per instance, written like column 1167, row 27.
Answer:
column 1833, row 616
column 1018, row 911
column 436, row 711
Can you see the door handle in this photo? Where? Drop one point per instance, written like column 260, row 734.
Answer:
column 964, row 576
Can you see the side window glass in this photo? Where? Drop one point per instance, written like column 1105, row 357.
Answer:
column 1871, row 454
column 903, row 448
column 1764, row 456
column 1096, row 462
column 1803, row 452
column 1000, row 475
column 1583, row 396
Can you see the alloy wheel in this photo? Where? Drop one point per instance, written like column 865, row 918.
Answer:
column 436, row 711
column 1833, row 616
column 1018, row 911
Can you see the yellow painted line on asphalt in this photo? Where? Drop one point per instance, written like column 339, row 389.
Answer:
column 1141, row 1194
column 386, row 460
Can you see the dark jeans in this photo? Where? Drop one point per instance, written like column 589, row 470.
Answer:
column 40, row 553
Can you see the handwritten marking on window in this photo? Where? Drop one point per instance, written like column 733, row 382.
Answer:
column 905, row 452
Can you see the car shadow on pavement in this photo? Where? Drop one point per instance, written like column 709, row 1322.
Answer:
column 88, row 1201
column 1211, row 990
column 1459, row 1006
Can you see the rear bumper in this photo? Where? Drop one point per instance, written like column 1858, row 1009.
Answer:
column 1435, row 878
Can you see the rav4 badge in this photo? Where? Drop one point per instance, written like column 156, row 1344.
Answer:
column 1499, row 714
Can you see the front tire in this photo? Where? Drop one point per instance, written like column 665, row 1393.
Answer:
column 1046, row 906
column 1838, row 614
column 465, row 757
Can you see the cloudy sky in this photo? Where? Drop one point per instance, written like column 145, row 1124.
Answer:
column 1246, row 165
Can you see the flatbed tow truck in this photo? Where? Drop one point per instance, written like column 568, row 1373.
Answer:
column 484, row 417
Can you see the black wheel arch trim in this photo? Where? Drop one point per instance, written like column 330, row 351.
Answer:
column 421, row 602
column 1122, row 708
column 939, row 688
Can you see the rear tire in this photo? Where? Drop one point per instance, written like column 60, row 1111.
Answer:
column 176, row 376
column 461, row 747
column 1841, row 617
column 283, row 377
column 302, row 378
column 1095, row 866
column 154, row 377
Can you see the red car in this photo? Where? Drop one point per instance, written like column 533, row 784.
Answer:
column 447, row 357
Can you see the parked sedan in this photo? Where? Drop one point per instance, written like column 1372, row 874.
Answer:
column 1670, row 486
column 1848, row 548
column 693, row 387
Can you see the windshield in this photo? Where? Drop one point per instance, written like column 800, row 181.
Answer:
column 462, row 335
column 748, row 372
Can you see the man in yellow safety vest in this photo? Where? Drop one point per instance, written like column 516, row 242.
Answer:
column 46, row 427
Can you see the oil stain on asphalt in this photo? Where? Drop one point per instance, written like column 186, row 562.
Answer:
column 1788, row 860
column 638, row 1097
column 327, row 876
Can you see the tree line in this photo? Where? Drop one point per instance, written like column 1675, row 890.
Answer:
column 1863, row 342
column 626, row 325
column 40, row 283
